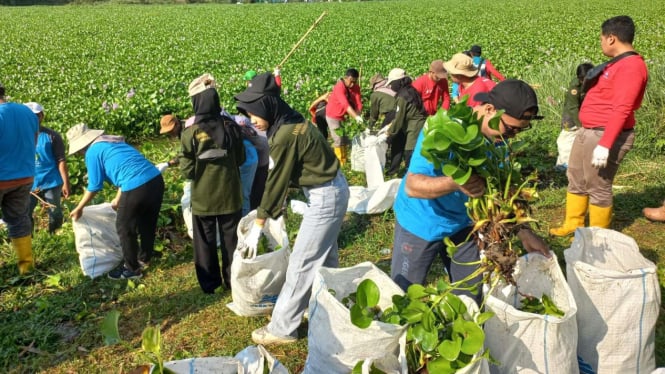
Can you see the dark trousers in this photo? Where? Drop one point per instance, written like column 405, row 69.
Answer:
column 206, row 261
column 397, row 143
column 258, row 186
column 138, row 211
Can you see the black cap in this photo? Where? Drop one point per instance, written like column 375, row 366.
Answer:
column 513, row 96
column 261, row 85
column 476, row 49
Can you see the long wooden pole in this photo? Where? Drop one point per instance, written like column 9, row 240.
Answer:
column 303, row 38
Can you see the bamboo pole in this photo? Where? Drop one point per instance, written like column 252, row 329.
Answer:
column 303, row 38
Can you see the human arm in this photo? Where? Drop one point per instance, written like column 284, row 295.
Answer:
column 279, row 178
column 78, row 211
column 64, row 174
column 492, row 72
column 374, row 104
column 533, row 243
column 400, row 117
column 116, row 200
column 431, row 187
column 58, row 148
column 188, row 154
column 445, row 102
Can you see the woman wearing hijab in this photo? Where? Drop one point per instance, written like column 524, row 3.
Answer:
column 301, row 157
column 210, row 158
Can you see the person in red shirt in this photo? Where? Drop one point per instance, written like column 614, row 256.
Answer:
column 433, row 87
column 344, row 100
column 465, row 74
column 485, row 67
column 614, row 92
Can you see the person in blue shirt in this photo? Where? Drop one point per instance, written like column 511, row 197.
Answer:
column 429, row 206
column 51, row 176
column 138, row 201
column 18, row 136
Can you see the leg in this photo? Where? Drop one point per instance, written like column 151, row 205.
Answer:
column 412, row 257
column 153, row 193
column 15, row 205
column 317, row 238
column 129, row 210
column 397, row 143
column 52, row 196
column 206, row 261
column 228, row 231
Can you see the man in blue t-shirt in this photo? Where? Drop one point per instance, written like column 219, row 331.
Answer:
column 18, row 135
column 51, row 176
column 429, row 206
column 138, row 201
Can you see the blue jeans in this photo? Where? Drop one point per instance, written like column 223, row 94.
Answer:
column 315, row 246
column 247, row 173
column 15, row 204
column 413, row 257
column 51, row 196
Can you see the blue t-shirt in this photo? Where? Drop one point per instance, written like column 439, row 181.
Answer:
column 117, row 163
column 18, row 128
column 251, row 156
column 50, row 151
column 430, row 219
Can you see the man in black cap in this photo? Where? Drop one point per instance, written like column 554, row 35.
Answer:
column 485, row 67
column 427, row 196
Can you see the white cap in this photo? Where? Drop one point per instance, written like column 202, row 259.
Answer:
column 35, row 107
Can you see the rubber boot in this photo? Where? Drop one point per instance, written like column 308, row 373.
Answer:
column 339, row 152
column 600, row 216
column 576, row 208
column 23, row 248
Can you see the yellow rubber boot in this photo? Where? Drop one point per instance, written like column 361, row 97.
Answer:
column 339, row 152
column 23, row 248
column 576, row 208
column 600, row 216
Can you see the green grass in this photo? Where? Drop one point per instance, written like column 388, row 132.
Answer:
column 64, row 56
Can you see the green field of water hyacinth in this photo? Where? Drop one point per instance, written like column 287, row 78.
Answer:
column 120, row 67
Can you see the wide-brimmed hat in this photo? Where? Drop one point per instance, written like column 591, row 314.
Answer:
column 514, row 97
column 167, row 123
column 80, row 136
column 461, row 64
column 201, row 84
column 376, row 80
column 35, row 107
column 395, row 74
column 437, row 68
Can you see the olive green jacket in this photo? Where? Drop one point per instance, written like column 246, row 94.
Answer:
column 408, row 119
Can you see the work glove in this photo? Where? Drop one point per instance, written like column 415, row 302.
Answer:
column 359, row 120
column 277, row 71
column 600, row 155
column 161, row 167
column 252, row 240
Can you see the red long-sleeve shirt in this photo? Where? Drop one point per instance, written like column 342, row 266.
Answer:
column 491, row 71
column 612, row 102
column 479, row 84
column 432, row 92
column 340, row 99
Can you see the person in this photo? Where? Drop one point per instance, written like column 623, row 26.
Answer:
column 381, row 102
column 344, row 100
column 259, row 141
column 19, row 128
column 139, row 198
column 485, row 67
column 614, row 92
column 250, row 74
column 302, row 157
column 427, row 195
column 211, row 161
column 51, row 175
column 317, row 109
column 249, row 167
column 465, row 74
column 170, row 126
column 433, row 88
column 570, row 121
column 454, row 87
column 410, row 116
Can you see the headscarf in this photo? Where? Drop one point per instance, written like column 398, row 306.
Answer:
column 208, row 117
column 406, row 91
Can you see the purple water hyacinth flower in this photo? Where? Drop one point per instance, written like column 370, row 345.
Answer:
column 115, row 106
column 131, row 93
column 299, row 84
column 106, row 106
column 286, row 91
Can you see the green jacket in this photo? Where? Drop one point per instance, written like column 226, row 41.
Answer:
column 216, row 186
column 570, row 120
column 408, row 119
column 380, row 104
column 302, row 158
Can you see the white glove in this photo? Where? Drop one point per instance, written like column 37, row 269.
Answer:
column 359, row 119
column 277, row 71
column 252, row 240
column 161, row 167
column 367, row 132
column 600, row 155
column 382, row 138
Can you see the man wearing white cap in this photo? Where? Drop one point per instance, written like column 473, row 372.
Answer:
column 18, row 126
column 51, row 176
column 140, row 192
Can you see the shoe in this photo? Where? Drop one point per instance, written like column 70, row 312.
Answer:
column 655, row 214
column 264, row 337
column 122, row 272
column 144, row 264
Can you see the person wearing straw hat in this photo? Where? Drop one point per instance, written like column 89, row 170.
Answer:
column 433, row 88
column 19, row 128
column 381, row 102
column 211, row 158
column 51, row 175
column 303, row 158
column 463, row 72
column 171, row 126
column 139, row 198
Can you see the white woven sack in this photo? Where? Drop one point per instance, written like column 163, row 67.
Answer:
column 97, row 241
column 373, row 200
column 205, row 365
column 255, row 359
column 186, row 204
column 375, row 160
column 564, row 144
column 526, row 342
column 618, row 295
column 256, row 282
column 335, row 345
column 358, row 153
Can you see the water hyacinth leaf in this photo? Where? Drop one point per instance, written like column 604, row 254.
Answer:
column 440, row 365
column 450, row 169
column 429, row 321
column 416, row 291
column 462, row 176
column 368, row 294
column 450, row 349
column 494, row 121
column 437, row 140
column 456, row 304
column 483, row 317
column 455, row 132
column 474, row 336
column 359, row 317
column 471, row 134
column 109, row 328
column 428, row 340
column 151, row 340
